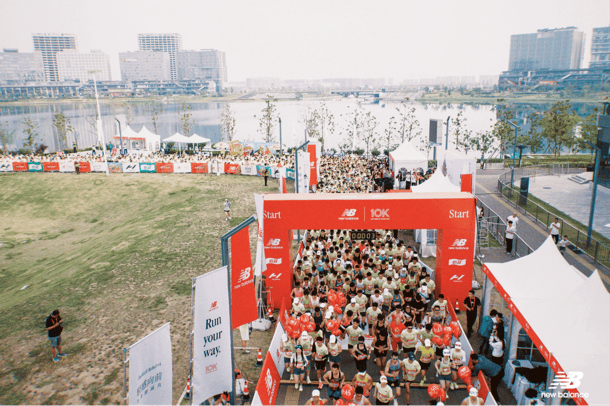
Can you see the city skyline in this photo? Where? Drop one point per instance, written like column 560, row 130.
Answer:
column 318, row 40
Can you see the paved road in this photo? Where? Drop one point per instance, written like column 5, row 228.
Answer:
column 532, row 232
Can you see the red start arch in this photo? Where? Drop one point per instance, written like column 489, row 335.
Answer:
column 453, row 215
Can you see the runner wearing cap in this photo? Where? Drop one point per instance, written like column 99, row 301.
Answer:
column 383, row 392
column 458, row 357
column 297, row 307
column 473, row 399
column 427, row 355
column 409, row 339
column 364, row 381
column 315, row 399
column 443, row 369
column 387, row 301
column 353, row 332
column 299, row 363
column 306, row 342
column 334, row 350
column 287, row 347
column 353, row 306
column 335, row 380
column 410, row 370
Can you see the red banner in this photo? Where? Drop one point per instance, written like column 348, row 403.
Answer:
column 165, row 167
column 234, row 169
column 84, row 167
column 50, row 166
column 199, row 167
column 466, row 185
column 313, row 163
column 243, row 296
column 268, row 382
column 20, row 166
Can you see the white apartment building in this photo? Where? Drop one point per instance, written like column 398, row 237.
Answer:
column 145, row 65
column 49, row 45
column 72, row 65
column 170, row 43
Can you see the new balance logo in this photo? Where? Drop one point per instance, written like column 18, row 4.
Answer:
column 571, row 380
column 274, row 261
column 275, row 276
column 455, row 278
column 274, row 242
column 458, row 262
column 349, row 213
column 269, row 381
column 244, row 275
column 214, row 306
column 459, row 243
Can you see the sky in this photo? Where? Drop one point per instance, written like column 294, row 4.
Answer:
column 402, row 39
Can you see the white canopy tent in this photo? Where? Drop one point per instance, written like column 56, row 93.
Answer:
column 408, row 157
column 455, row 164
column 197, row 139
column 558, row 307
column 153, row 141
column 142, row 141
column 436, row 183
column 179, row 138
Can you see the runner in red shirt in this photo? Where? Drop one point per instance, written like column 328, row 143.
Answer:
column 396, row 328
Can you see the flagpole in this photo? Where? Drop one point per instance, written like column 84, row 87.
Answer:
column 100, row 131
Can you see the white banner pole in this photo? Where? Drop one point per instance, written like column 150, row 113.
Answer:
column 125, row 375
column 190, row 395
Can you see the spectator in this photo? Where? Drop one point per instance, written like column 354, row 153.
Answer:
column 244, row 331
column 473, row 309
column 511, row 232
column 497, row 348
column 227, row 210
column 493, row 371
column 54, row 328
column 555, row 228
column 485, row 328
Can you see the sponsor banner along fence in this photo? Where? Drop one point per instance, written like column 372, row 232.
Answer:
column 115, row 167
column 233, row 169
column 243, row 295
column 20, row 166
column 248, row 170
column 50, row 166
column 150, row 369
column 199, row 167
column 98, row 166
column 268, row 382
column 165, row 167
column 131, row 167
column 212, row 370
column 35, row 167
column 6, row 166
column 85, row 167
column 146, row 167
column 182, row 167
column 67, row 166
column 274, row 349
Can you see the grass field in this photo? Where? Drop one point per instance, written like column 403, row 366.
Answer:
column 116, row 255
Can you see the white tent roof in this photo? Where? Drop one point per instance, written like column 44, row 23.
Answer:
column 128, row 133
column 558, row 306
column 178, row 138
column 452, row 154
column 196, row 139
column 407, row 152
column 436, row 183
column 147, row 133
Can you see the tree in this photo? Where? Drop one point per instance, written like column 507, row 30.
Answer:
column 369, row 132
column 502, row 131
column 185, row 114
column 483, row 142
column 268, row 120
column 31, row 133
column 558, row 126
column 389, row 137
column 588, row 132
column 130, row 112
column 533, row 139
column 310, row 119
column 353, row 128
column 458, row 131
column 227, row 123
column 6, row 136
column 327, row 122
column 155, row 110
column 62, row 128
column 408, row 124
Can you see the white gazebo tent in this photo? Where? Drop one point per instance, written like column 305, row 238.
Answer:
column 144, row 141
column 152, row 140
column 177, row 138
column 557, row 306
column 408, row 157
column 455, row 164
column 197, row 139
column 436, row 183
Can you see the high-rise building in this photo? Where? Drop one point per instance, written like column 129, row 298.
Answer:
column 207, row 64
column 170, row 43
column 552, row 49
column 17, row 66
column 144, row 65
column 72, row 65
column 600, row 48
column 49, row 45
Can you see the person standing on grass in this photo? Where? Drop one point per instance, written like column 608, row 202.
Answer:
column 227, row 210
column 266, row 175
column 511, row 231
column 555, row 227
column 54, row 329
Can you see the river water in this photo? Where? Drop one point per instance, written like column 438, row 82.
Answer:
column 207, row 119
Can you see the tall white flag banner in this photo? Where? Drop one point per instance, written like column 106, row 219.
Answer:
column 212, row 371
column 304, row 171
column 259, row 264
column 150, row 369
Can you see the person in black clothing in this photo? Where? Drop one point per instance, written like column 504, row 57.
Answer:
column 473, row 308
column 54, row 329
column 494, row 372
column 266, row 175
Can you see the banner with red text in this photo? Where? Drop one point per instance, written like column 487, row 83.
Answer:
column 199, row 167
column 313, row 163
column 268, row 382
column 243, row 295
column 232, row 168
column 50, row 166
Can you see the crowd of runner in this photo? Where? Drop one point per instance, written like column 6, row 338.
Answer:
column 374, row 291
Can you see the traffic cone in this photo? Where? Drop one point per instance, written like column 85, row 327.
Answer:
column 270, row 314
column 457, row 306
column 188, row 388
column 259, row 358
column 246, row 394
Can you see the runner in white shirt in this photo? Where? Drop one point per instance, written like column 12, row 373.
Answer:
column 513, row 217
column 555, row 227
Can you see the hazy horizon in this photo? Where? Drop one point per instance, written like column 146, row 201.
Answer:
column 312, row 40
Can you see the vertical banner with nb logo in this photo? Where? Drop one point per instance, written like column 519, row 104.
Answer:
column 212, row 362
column 243, row 296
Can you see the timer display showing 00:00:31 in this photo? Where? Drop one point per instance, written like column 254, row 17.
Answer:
column 362, row 235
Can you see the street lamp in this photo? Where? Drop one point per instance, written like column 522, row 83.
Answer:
column 598, row 154
column 512, row 173
column 120, row 134
column 280, row 120
column 100, row 132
